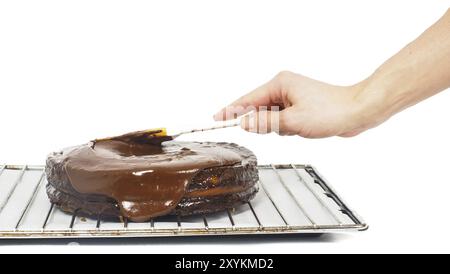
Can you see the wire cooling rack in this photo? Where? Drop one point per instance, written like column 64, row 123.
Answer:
column 292, row 199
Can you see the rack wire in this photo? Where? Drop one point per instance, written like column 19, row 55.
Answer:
column 292, row 199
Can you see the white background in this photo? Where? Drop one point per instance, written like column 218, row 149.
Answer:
column 71, row 71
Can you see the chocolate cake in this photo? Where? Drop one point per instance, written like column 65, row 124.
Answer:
column 138, row 180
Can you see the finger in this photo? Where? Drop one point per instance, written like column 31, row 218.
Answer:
column 265, row 95
column 352, row 133
column 262, row 121
column 286, row 122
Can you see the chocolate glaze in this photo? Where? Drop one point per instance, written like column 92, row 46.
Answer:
column 145, row 179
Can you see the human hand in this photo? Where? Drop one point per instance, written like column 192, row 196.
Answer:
column 307, row 107
column 314, row 109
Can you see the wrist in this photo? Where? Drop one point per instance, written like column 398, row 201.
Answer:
column 371, row 103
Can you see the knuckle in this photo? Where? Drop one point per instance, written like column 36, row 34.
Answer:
column 284, row 75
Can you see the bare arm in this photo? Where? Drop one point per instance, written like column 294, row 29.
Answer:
column 315, row 109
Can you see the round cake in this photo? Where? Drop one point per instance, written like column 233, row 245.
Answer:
column 137, row 180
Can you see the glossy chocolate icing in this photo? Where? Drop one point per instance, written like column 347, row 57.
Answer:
column 146, row 179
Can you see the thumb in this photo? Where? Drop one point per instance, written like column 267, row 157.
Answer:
column 266, row 95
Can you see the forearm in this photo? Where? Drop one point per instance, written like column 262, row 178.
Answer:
column 418, row 71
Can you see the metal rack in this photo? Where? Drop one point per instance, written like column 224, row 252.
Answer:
column 292, row 199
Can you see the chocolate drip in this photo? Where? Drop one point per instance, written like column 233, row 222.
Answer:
column 145, row 179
